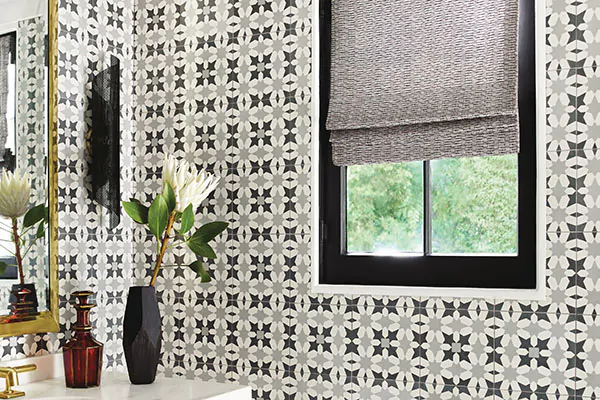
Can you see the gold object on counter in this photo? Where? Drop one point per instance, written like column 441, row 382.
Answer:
column 11, row 377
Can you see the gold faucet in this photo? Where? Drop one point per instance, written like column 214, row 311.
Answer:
column 11, row 376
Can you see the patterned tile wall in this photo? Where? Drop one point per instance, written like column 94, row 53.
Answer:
column 89, row 255
column 226, row 84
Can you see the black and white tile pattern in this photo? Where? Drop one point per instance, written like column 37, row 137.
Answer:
column 31, row 140
column 89, row 255
column 226, row 85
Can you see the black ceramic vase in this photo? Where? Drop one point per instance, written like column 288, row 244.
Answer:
column 142, row 334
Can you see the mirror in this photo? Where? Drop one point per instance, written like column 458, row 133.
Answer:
column 28, row 289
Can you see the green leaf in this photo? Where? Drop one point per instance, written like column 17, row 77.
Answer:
column 3, row 269
column 169, row 196
column 34, row 215
column 158, row 216
column 198, row 268
column 201, row 249
column 208, row 232
column 187, row 219
column 137, row 211
column 41, row 231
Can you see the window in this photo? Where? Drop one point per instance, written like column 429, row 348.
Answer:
column 449, row 223
column 449, row 206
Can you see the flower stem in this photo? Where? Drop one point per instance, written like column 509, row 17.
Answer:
column 18, row 250
column 163, row 248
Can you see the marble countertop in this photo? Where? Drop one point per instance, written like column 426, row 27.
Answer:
column 116, row 386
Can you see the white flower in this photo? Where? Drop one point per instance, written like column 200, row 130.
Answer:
column 189, row 185
column 15, row 191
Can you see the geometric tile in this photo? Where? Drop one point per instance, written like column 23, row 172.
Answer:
column 258, row 267
column 299, row 201
column 376, row 389
column 588, row 356
column 588, row 106
column 318, row 387
column 587, row 39
column 535, row 353
column 257, row 66
column 561, row 271
column 257, row 334
column 561, row 34
column 561, row 193
column 457, row 348
column 320, row 341
column 258, row 201
column 387, row 343
column 588, row 273
column 561, row 110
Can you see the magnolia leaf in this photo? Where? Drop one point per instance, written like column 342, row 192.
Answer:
column 208, row 232
column 169, row 196
column 34, row 215
column 47, row 215
column 3, row 266
column 198, row 268
column 41, row 231
column 201, row 249
column 187, row 219
column 137, row 211
column 158, row 216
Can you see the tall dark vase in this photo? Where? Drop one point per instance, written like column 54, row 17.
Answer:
column 142, row 334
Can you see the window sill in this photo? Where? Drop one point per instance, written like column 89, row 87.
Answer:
column 538, row 294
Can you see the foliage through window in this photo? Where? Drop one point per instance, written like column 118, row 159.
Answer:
column 472, row 209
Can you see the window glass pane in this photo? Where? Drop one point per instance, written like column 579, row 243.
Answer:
column 474, row 205
column 385, row 208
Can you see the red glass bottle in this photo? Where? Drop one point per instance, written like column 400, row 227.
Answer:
column 82, row 354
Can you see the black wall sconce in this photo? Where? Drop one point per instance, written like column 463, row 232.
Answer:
column 105, row 140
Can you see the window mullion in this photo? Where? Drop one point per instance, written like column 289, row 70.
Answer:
column 426, row 208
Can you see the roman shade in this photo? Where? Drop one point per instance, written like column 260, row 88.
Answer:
column 421, row 79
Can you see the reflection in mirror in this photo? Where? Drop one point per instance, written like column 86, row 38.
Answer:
column 24, row 147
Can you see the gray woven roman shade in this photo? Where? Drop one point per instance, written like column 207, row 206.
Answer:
column 422, row 79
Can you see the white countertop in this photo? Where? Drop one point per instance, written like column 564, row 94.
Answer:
column 116, row 386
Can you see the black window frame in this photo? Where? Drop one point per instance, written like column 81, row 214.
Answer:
column 432, row 270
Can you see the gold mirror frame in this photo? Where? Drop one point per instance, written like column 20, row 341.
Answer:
column 47, row 321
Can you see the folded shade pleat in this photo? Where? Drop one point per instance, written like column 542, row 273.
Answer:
column 418, row 80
